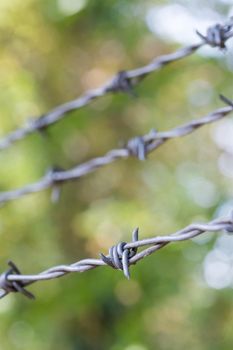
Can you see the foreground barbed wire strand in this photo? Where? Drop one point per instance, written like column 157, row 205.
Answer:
column 136, row 147
column 124, row 81
column 120, row 257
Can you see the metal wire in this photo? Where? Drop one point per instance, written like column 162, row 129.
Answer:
column 123, row 81
column 137, row 147
column 120, row 257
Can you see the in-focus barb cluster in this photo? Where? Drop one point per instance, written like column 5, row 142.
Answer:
column 119, row 255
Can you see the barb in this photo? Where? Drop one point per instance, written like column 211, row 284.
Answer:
column 120, row 257
column 124, row 81
column 139, row 147
column 13, row 286
column 218, row 34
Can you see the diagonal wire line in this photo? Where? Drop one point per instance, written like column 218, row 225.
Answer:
column 14, row 281
column 139, row 147
column 124, row 81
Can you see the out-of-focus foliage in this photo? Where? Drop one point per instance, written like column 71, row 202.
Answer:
column 52, row 51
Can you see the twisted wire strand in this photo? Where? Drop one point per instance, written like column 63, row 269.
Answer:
column 124, row 81
column 121, row 256
column 137, row 147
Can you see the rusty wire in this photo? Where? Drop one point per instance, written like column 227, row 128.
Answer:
column 137, row 147
column 120, row 257
column 124, row 81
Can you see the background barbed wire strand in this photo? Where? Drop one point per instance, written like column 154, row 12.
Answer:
column 138, row 146
column 122, row 82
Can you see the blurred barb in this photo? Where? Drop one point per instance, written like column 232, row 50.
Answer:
column 13, row 286
column 124, row 81
column 138, row 147
column 218, row 34
column 120, row 256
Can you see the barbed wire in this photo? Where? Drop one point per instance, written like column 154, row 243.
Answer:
column 123, row 81
column 137, row 147
column 121, row 256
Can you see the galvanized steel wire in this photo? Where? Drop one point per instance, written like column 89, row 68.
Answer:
column 122, row 255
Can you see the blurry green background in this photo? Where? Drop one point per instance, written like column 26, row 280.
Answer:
column 52, row 51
